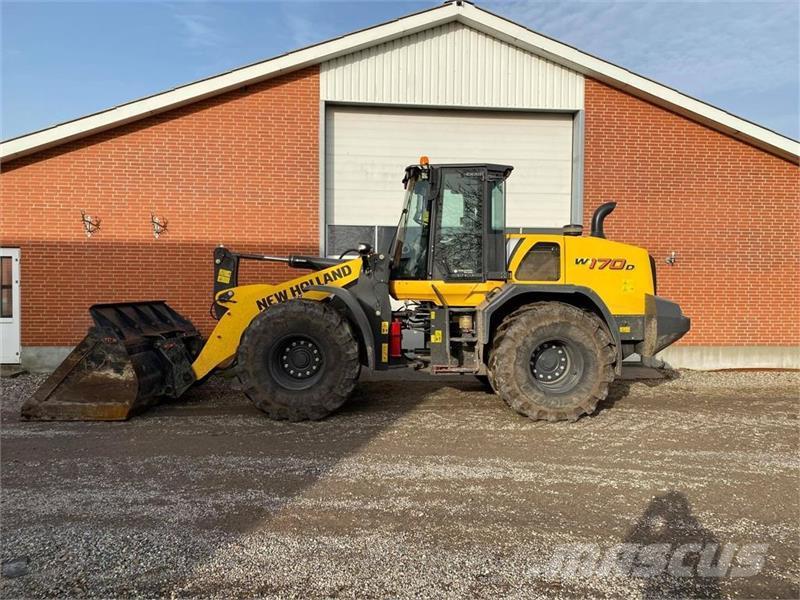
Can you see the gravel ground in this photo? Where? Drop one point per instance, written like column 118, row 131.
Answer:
column 424, row 489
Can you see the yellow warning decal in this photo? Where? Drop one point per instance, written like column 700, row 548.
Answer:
column 624, row 328
column 384, row 352
column 384, row 327
column 224, row 276
column 433, row 315
column 436, row 337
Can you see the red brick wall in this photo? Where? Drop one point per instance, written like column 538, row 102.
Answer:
column 240, row 169
column 729, row 210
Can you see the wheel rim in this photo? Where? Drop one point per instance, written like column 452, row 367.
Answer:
column 556, row 366
column 296, row 361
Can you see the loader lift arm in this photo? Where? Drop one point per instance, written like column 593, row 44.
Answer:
column 226, row 270
column 239, row 305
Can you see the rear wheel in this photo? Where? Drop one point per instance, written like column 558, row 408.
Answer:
column 298, row 360
column 552, row 361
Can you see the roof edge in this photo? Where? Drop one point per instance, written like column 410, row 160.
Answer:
column 466, row 13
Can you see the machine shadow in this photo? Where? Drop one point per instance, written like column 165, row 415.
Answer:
column 309, row 452
column 618, row 390
column 622, row 388
column 668, row 520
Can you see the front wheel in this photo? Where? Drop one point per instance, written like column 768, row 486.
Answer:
column 298, row 360
column 552, row 361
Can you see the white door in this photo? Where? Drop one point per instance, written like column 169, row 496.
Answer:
column 367, row 148
column 9, row 306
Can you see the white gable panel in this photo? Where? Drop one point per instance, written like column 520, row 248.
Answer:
column 451, row 65
column 367, row 149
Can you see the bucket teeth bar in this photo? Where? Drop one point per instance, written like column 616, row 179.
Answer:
column 136, row 353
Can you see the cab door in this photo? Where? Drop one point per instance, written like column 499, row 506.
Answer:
column 9, row 306
column 466, row 257
column 458, row 227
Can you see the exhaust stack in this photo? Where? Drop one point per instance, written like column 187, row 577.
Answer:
column 599, row 216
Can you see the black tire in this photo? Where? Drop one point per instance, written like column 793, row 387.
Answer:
column 552, row 361
column 298, row 360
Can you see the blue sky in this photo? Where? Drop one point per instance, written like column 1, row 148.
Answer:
column 61, row 60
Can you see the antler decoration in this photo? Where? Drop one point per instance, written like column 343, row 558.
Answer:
column 159, row 225
column 89, row 226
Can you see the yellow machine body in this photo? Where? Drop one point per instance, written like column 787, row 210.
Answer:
column 618, row 273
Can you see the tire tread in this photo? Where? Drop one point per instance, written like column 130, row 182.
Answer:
column 511, row 333
column 320, row 402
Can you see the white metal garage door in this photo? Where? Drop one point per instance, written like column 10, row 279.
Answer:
column 367, row 148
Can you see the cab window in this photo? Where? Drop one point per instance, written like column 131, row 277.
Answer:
column 458, row 244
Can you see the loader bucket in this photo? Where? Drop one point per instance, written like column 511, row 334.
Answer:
column 134, row 354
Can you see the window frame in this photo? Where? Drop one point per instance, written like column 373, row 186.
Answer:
column 493, row 243
column 7, row 286
column 436, row 216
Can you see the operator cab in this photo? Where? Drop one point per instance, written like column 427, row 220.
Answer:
column 452, row 227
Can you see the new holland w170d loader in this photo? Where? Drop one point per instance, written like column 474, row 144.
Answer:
column 546, row 318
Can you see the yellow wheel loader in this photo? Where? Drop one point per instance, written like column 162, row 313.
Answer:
column 546, row 319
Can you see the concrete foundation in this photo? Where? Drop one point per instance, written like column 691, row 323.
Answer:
column 708, row 358
column 42, row 359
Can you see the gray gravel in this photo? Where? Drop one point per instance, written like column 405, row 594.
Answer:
column 417, row 489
